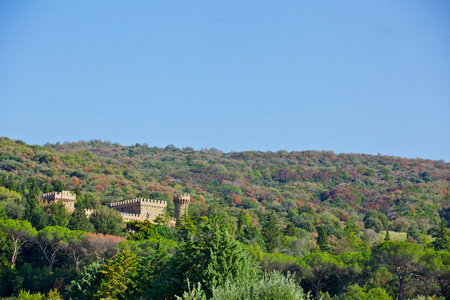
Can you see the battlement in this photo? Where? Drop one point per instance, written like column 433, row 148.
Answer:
column 139, row 200
column 181, row 197
column 66, row 195
column 130, row 215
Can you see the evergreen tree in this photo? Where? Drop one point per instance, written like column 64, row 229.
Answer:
column 86, row 283
column 79, row 221
column 34, row 212
column 47, row 188
column 270, row 232
column 387, row 237
column 57, row 214
column 59, row 186
column 441, row 237
column 119, row 277
column 243, row 220
column 289, row 230
column 322, row 239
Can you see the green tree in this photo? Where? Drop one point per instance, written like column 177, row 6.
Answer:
column 85, row 285
column 322, row 239
column 59, row 186
column 270, row 232
column 437, row 269
column 79, row 221
column 213, row 259
column 119, row 277
column 20, row 232
column 402, row 259
column 34, row 212
column 57, row 214
column 289, row 230
column 387, row 236
column 441, row 237
column 318, row 267
column 51, row 240
column 142, row 230
column 243, row 220
column 107, row 221
column 77, row 246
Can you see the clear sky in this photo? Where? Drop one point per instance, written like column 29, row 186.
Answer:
column 347, row 76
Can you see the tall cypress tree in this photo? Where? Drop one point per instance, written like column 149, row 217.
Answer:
column 270, row 232
column 34, row 212
column 322, row 239
column 441, row 237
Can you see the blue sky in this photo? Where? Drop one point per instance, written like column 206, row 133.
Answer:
column 346, row 76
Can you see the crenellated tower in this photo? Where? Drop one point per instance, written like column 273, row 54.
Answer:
column 181, row 202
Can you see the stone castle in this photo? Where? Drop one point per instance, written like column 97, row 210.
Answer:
column 138, row 209
column 66, row 197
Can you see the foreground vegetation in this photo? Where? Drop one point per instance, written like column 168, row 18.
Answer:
column 306, row 224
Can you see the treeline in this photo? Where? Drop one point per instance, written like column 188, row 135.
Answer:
column 203, row 259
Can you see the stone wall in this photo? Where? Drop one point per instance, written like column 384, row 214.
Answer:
column 64, row 196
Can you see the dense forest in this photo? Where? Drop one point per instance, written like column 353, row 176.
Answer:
column 261, row 225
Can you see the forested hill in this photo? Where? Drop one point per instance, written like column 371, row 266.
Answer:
column 409, row 190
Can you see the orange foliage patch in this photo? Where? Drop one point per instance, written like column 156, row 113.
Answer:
column 236, row 200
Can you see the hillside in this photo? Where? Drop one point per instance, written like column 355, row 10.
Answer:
column 417, row 189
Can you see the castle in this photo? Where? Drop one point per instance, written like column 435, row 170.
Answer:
column 66, row 197
column 138, row 209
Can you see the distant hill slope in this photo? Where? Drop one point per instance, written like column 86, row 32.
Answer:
column 414, row 188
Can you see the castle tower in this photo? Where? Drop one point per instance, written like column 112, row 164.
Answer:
column 66, row 197
column 181, row 202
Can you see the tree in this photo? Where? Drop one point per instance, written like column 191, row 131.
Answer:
column 322, row 239
column 437, row 268
column 59, row 186
column 270, row 232
column 119, row 275
column 57, row 214
column 243, row 220
column 107, row 221
column 51, row 240
column 20, row 232
column 103, row 245
column 441, row 237
column 318, row 267
column 213, row 259
column 142, row 230
column 387, row 236
column 34, row 212
column 86, row 283
column 289, row 230
column 77, row 246
column 401, row 259
column 79, row 221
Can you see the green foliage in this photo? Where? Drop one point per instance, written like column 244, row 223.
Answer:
column 25, row 295
column 79, row 221
column 142, row 230
column 34, row 212
column 272, row 285
column 118, row 277
column 270, row 232
column 213, row 259
column 57, row 214
column 86, row 283
column 107, row 221
column 441, row 237
column 322, row 239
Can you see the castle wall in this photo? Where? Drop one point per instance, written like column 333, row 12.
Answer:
column 64, row 196
column 146, row 209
